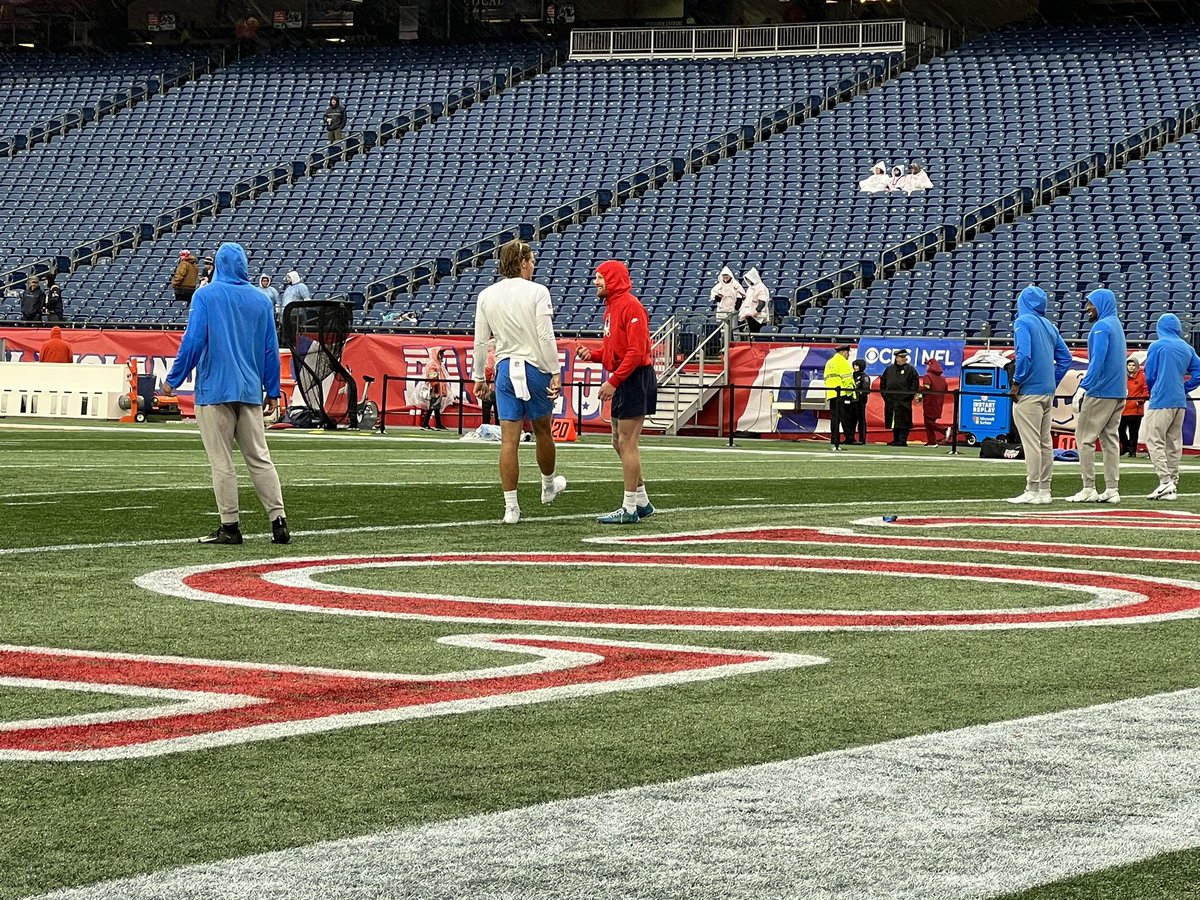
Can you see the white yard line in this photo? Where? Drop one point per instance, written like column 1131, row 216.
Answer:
column 534, row 520
column 962, row 815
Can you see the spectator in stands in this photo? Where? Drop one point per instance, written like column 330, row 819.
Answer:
column 335, row 119
column 1136, row 393
column 1041, row 359
column 894, row 178
column 230, row 339
column 185, row 277
column 755, row 311
column 899, row 384
column 1172, row 372
column 839, row 391
column 515, row 318
column 916, row 179
column 272, row 294
column 632, row 385
column 56, row 350
column 727, row 294
column 437, row 378
column 1098, row 411
column 934, row 388
column 294, row 288
column 206, row 273
column 862, row 393
column 877, row 181
column 33, row 301
column 54, row 300
column 487, row 401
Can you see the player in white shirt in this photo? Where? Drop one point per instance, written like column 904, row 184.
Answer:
column 516, row 312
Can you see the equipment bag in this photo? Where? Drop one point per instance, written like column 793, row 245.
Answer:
column 994, row 448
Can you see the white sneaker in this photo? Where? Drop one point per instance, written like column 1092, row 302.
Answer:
column 1087, row 495
column 1026, row 497
column 550, row 494
column 1042, row 498
column 1110, row 495
column 1160, row 492
column 512, row 515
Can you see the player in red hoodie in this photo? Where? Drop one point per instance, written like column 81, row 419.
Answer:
column 632, row 383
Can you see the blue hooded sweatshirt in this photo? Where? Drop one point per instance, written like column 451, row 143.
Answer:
column 1042, row 357
column 1105, row 376
column 230, row 338
column 1172, row 366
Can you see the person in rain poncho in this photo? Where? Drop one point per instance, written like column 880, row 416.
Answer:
column 878, row 181
column 726, row 293
column 916, row 179
column 756, row 307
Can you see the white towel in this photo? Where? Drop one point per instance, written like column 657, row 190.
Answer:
column 516, row 373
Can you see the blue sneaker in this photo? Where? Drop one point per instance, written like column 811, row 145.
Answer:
column 619, row 517
column 645, row 512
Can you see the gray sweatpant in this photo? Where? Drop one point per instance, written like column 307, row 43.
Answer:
column 1162, row 433
column 1031, row 415
column 1099, row 418
column 220, row 425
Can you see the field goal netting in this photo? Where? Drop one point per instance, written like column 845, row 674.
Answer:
column 316, row 332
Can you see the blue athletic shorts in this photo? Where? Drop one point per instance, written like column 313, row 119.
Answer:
column 538, row 406
column 637, row 396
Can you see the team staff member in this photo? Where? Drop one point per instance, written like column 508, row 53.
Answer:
column 839, row 390
column 231, row 343
column 516, row 313
column 632, row 384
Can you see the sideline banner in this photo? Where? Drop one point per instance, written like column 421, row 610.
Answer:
column 879, row 353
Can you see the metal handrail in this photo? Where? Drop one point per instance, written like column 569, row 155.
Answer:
column 857, row 274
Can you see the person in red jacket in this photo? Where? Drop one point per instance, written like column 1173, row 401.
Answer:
column 1135, row 406
column 632, row 384
column 56, row 350
column 933, row 390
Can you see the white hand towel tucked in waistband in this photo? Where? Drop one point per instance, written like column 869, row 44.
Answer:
column 516, row 372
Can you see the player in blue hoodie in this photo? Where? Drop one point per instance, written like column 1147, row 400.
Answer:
column 1098, row 412
column 231, row 343
column 1172, row 372
column 1040, row 362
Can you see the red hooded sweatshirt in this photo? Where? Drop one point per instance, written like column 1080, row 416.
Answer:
column 934, row 386
column 626, row 325
column 56, row 350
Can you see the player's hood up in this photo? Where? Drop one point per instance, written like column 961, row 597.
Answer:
column 1032, row 300
column 1169, row 326
column 56, row 333
column 231, row 265
column 1105, row 302
column 616, row 278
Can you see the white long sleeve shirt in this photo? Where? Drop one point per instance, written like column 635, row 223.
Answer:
column 518, row 314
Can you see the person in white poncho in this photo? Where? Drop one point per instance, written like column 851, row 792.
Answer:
column 878, row 181
column 917, row 179
column 756, row 307
column 726, row 293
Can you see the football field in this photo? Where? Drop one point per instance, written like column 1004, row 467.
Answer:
column 763, row 690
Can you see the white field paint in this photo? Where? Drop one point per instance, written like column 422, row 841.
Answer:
column 961, row 815
column 495, row 520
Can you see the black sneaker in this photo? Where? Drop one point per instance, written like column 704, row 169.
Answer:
column 279, row 531
column 226, row 534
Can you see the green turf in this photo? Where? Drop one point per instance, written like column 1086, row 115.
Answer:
column 80, row 823
column 17, row 704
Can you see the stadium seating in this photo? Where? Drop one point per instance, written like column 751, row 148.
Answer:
column 507, row 159
column 1135, row 232
column 199, row 139
column 986, row 120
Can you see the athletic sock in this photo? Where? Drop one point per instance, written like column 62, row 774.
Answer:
column 642, row 497
column 510, row 500
column 548, row 480
column 630, row 503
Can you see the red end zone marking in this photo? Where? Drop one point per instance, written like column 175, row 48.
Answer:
column 264, row 702
column 1145, row 598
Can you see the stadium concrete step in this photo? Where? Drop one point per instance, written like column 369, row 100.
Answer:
column 681, row 396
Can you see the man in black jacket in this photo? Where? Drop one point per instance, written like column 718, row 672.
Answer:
column 33, row 301
column 862, row 393
column 335, row 119
column 899, row 385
